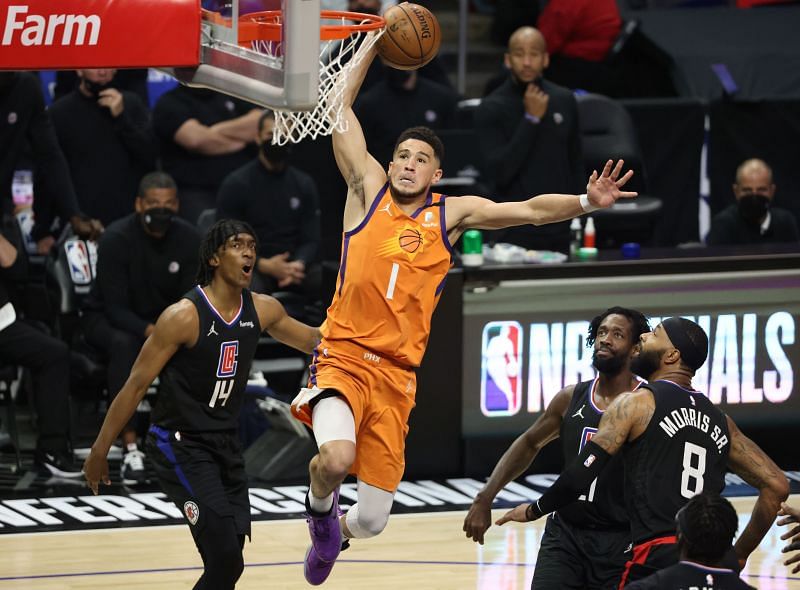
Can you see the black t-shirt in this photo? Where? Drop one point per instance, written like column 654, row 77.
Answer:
column 191, row 169
column 202, row 387
column 688, row 576
column 139, row 276
column 24, row 123
column 602, row 506
column 728, row 227
column 107, row 155
column 282, row 207
column 682, row 452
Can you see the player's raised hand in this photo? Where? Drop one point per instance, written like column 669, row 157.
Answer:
column 603, row 190
column 518, row 514
column 95, row 470
column 791, row 516
column 478, row 520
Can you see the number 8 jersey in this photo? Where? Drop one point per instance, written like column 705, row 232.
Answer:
column 202, row 387
column 391, row 275
column 682, row 452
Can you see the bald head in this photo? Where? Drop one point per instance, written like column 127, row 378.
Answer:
column 527, row 54
column 754, row 177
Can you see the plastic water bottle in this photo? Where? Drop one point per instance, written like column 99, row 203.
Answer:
column 472, row 248
column 575, row 237
column 588, row 234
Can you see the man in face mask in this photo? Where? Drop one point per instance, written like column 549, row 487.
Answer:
column 753, row 219
column 145, row 262
column 282, row 205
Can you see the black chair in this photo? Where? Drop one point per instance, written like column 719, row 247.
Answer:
column 207, row 218
column 462, row 163
column 8, row 375
column 607, row 132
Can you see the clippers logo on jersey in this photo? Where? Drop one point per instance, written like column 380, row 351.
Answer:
column 587, row 435
column 406, row 240
column 191, row 511
column 80, row 268
column 228, row 351
column 501, row 369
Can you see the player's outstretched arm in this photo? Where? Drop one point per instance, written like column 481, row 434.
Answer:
column 514, row 462
column 625, row 419
column 791, row 516
column 177, row 325
column 603, row 190
column 284, row 328
column 350, row 146
column 753, row 465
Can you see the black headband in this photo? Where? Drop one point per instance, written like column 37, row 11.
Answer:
column 692, row 355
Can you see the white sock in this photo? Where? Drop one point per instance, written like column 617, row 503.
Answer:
column 321, row 505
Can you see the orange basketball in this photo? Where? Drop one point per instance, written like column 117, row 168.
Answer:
column 410, row 240
column 412, row 36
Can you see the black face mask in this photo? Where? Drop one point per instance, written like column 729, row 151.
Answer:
column 397, row 78
column 94, row 88
column 158, row 219
column 753, row 208
column 276, row 154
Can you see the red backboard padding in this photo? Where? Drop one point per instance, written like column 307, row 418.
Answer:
column 71, row 34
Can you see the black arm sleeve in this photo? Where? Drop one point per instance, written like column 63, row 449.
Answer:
column 577, row 477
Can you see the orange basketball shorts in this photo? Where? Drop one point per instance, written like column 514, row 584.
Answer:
column 380, row 393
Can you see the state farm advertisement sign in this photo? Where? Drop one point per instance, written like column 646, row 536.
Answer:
column 42, row 34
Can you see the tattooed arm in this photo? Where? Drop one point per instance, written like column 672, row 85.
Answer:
column 625, row 419
column 750, row 463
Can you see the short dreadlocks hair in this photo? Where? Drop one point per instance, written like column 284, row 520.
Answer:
column 707, row 525
column 214, row 239
column 639, row 323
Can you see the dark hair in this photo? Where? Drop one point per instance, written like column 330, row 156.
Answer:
column 425, row 134
column 267, row 114
column 157, row 179
column 214, row 239
column 707, row 524
column 639, row 323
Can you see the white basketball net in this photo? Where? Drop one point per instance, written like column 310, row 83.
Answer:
column 337, row 58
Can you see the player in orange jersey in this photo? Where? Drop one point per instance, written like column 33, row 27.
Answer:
column 396, row 253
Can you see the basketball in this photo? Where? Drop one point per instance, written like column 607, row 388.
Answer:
column 412, row 36
column 410, row 240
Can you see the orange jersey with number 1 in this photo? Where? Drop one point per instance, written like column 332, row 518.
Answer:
column 392, row 272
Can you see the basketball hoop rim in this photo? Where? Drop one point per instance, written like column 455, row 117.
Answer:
column 265, row 25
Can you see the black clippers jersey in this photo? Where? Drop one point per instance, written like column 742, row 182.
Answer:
column 602, row 506
column 683, row 451
column 202, row 388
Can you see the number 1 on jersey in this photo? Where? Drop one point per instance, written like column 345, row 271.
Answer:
column 392, row 280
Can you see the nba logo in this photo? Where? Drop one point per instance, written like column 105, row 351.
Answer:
column 501, row 369
column 78, row 260
column 228, row 351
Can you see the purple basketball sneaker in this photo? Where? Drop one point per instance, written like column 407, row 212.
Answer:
column 326, row 542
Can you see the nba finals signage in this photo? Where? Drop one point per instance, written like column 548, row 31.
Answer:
column 526, row 340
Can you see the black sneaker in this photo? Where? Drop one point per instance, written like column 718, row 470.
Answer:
column 59, row 463
column 132, row 471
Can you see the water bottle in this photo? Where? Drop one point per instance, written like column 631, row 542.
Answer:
column 588, row 234
column 472, row 248
column 575, row 237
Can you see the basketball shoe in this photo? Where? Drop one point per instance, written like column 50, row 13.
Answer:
column 326, row 542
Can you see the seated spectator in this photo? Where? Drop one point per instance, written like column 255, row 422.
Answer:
column 705, row 528
column 281, row 203
column 530, row 139
column 204, row 136
column 411, row 99
column 27, row 125
column 145, row 262
column 753, row 219
column 98, row 123
column 579, row 35
column 23, row 344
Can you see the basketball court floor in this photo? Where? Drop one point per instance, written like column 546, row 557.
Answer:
column 425, row 551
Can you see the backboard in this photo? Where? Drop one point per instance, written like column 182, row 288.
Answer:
column 288, row 79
